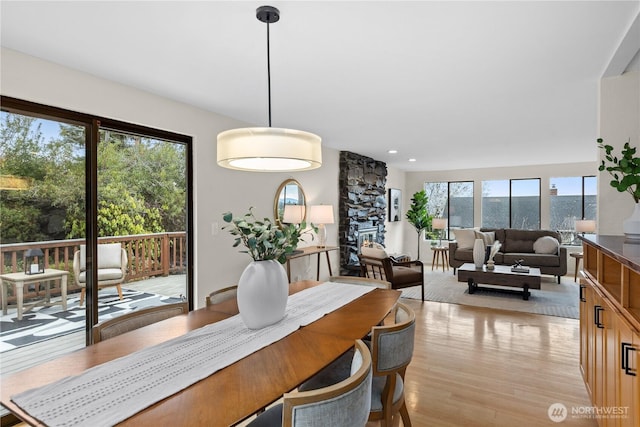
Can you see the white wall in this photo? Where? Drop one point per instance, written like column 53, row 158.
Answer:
column 415, row 182
column 216, row 190
column 393, row 238
column 619, row 122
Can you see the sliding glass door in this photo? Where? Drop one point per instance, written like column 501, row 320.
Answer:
column 142, row 211
column 90, row 195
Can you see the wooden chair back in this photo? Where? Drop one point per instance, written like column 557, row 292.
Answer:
column 373, row 268
column 222, row 295
column 137, row 319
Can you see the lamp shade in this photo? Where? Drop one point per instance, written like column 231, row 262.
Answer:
column 439, row 223
column 268, row 149
column 585, row 226
column 321, row 214
column 293, row 214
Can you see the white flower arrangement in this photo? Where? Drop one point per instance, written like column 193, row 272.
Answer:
column 494, row 249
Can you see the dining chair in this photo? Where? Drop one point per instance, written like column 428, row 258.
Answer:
column 391, row 351
column 221, row 295
column 345, row 404
column 365, row 281
column 137, row 319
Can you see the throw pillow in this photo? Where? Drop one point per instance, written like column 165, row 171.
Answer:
column 546, row 245
column 465, row 237
column 373, row 252
column 488, row 236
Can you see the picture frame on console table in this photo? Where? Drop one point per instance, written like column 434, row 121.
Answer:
column 395, row 204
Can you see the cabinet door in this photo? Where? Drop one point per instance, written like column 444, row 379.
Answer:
column 586, row 335
column 610, row 381
column 628, row 374
column 598, row 362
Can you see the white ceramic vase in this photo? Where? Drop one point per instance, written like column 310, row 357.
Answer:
column 631, row 226
column 263, row 290
column 479, row 252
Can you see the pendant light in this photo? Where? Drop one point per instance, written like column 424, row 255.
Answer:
column 269, row 149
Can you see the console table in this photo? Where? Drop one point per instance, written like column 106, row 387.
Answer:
column 20, row 280
column 610, row 325
column 308, row 251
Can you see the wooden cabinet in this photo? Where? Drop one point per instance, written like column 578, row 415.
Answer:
column 610, row 331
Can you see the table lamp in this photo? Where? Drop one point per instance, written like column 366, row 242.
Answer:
column 585, row 226
column 320, row 215
column 439, row 224
column 293, row 214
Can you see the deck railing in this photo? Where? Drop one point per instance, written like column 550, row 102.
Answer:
column 149, row 255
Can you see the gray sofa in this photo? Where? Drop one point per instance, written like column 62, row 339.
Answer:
column 517, row 245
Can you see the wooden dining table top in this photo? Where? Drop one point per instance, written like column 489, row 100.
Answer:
column 233, row 393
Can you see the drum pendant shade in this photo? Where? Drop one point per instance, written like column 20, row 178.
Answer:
column 268, row 149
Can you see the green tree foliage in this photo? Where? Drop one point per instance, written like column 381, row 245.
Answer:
column 21, row 147
column 417, row 214
column 141, row 182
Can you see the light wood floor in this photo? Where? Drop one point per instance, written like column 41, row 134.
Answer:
column 483, row 367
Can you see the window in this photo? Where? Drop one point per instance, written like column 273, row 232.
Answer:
column 571, row 198
column 451, row 200
column 511, row 203
column 495, row 204
column 525, row 204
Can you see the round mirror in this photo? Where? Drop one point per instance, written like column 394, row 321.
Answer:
column 290, row 204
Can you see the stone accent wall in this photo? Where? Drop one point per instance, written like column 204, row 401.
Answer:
column 362, row 204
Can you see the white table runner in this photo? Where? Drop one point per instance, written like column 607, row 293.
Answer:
column 114, row 391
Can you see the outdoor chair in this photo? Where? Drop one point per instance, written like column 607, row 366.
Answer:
column 112, row 267
column 345, row 404
column 137, row 319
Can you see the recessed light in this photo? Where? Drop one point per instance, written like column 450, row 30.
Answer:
column 392, row 151
column 412, row 160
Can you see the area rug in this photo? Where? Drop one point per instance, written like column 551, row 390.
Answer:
column 553, row 299
column 43, row 323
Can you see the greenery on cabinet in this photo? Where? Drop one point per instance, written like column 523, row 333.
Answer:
column 418, row 216
column 625, row 169
column 141, row 182
column 264, row 239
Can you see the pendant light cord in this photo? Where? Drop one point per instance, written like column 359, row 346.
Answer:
column 269, row 73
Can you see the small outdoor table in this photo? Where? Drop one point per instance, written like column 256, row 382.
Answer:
column 20, row 280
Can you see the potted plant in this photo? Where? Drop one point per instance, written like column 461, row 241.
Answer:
column 263, row 287
column 625, row 171
column 417, row 214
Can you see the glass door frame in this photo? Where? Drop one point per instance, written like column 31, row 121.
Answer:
column 92, row 126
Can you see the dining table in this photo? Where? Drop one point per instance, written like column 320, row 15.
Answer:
column 234, row 393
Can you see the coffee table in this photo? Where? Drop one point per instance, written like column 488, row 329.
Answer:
column 500, row 276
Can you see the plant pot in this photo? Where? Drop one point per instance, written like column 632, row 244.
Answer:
column 631, row 226
column 479, row 253
column 263, row 290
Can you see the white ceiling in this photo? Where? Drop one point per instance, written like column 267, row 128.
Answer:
column 451, row 84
